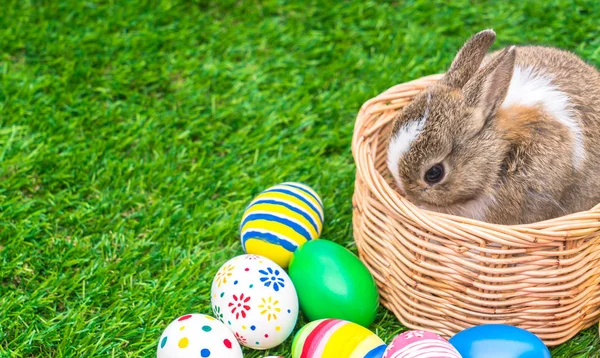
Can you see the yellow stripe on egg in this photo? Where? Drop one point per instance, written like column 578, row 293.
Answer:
column 280, row 230
column 339, row 342
column 277, row 253
column 370, row 342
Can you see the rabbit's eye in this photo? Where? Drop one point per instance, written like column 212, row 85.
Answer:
column 435, row 174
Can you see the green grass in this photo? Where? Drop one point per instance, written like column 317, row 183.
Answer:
column 134, row 135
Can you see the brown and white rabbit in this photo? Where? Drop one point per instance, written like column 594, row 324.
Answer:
column 509, row 138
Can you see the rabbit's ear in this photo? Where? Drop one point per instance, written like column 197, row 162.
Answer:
column 469, row 58
column 488, row 88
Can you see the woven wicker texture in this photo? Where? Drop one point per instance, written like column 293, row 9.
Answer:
column 445, row 273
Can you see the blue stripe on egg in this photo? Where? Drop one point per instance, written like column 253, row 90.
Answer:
column 304, row 189
column 376, row 352
column 290, row 207
column 270, row 238
column 279, row 219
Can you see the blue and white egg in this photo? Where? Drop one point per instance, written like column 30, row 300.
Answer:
column 280, row 220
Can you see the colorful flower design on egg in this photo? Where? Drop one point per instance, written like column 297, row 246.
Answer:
column 239, row 305
column 269, row 308
column 258, row 301
column 271, row 277
column 223, row 274
column 240, row 338
column 218, row 313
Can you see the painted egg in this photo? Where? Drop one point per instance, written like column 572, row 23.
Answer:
column 280, row 220
column 333, row 283
column 256, row 300
column 417, row 344
column 197, row 335
column 334, row 338
column 499, row 340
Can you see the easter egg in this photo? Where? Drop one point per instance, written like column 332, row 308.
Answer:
column 197, row 335
column 418, row 344
column 334, row 338
column 280, row 220
column 499, row 341
column 256, row 300
column 333, row 283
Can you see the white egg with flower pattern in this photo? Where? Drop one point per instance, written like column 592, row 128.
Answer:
column 256, row 300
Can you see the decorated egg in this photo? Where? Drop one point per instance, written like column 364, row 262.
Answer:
column 197, row 335
column 334, row 338
column 499, row 340
column 280, row 220
column 333, row 283
column 256, row 300
column 418, row 344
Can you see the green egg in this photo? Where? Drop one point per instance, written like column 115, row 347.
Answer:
column 332, row 282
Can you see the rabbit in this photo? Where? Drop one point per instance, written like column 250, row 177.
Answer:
column 510, row 137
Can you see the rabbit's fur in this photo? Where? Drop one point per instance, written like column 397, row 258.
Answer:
column 517, row 133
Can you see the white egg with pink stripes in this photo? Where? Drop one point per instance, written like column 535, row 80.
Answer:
column 419, row 344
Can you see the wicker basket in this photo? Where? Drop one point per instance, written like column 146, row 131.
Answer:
column 445, row 273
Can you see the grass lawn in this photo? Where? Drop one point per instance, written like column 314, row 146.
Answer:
column 134, row 135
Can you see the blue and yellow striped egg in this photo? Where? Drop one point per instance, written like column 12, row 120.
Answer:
column 280, row 220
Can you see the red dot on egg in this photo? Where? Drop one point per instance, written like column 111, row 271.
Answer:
column 183, row 318
column 227, row 343
column 247, row 269
column 266, row 336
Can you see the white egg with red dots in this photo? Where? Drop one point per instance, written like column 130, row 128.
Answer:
column 256, row 299
column 197, row 335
